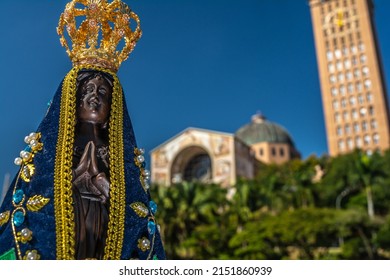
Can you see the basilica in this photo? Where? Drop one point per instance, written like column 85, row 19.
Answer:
column 208, row 156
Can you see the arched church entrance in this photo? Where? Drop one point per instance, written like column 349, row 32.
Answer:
column 192, row 164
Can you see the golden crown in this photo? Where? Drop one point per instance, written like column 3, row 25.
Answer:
column 104, row 22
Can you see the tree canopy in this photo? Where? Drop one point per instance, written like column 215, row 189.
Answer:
column 318, row 208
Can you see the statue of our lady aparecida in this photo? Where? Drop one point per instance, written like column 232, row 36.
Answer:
column 82, row 188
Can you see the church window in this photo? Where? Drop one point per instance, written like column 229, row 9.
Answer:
column 363, row 111
column 334, row 91
column 365, row 71
column 367, row 83
column 369, row 97
column 359, row 87
column 345, row 50
column 358, row 141
column 347, row 129
column 342, row 90
column 339, row 131
column 352, row 100
column 375, row 138
column 350, row 143
column 360, row 99
column 339, row 65
column 354, row 60
column 198, row 169
column 341, row 145
column 341, row 77
column 356, row 73
column 337, row 53
column 347, row 63
column 343, row 102
column 335, row 104
column 331, row 67
column 361, row 47
column 355, row 114
column 345, row 115
column 371, row 110
column 337, row 117
column 364, row 125
column 356, row 127
column 373, row 124
column 350, row 87
column 353, row 49
column 363, row 58
column 329, row 55
column 367, row 139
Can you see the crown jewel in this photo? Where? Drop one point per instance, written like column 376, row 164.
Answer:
column 102, row 22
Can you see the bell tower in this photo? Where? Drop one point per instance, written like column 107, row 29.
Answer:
column 353, row 90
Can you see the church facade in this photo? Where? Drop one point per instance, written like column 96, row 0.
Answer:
column 208, row 156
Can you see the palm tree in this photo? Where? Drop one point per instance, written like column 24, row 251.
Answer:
column 184, row 207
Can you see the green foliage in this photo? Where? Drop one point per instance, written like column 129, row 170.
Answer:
column 283, row 213
column 304, row 229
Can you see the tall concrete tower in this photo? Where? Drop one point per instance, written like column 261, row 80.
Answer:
column 352, row 84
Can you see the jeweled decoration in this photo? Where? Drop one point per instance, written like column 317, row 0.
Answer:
column 140, row 209
column 28, row 171
column 32, row 255
column 4, row 217
column 18, row 161
column 139, row 160
column 153, row 206
column 36, row 203
column 95, row 40
column 25, row 235
column 18, row 218
column 26, row 156
column 151, row 227
column 18, row 196
column 144, row 244
column 33, row 140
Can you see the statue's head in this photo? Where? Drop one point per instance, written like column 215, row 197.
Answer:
column 94, row 94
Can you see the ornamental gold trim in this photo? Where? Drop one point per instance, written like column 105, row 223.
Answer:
column 36, row 203
column 4, row 217
column 140, row 209
column 63, row 208
column 32, row 255
column 63, row 201
column 14, row 233
column 24, row 236
column 116, row 224
column 144, row 244
column 103, row 25
column 28, row 171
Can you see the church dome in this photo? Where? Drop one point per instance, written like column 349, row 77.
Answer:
column 262, row 130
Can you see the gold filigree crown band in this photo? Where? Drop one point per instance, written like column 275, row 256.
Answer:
column 103, row 26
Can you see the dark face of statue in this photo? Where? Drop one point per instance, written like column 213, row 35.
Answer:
column 95, row 101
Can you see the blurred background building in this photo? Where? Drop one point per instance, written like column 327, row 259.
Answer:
column 218, row 157
column 350, row 71
column 354, row 101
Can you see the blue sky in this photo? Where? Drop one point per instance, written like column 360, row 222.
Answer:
column 201, row 63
